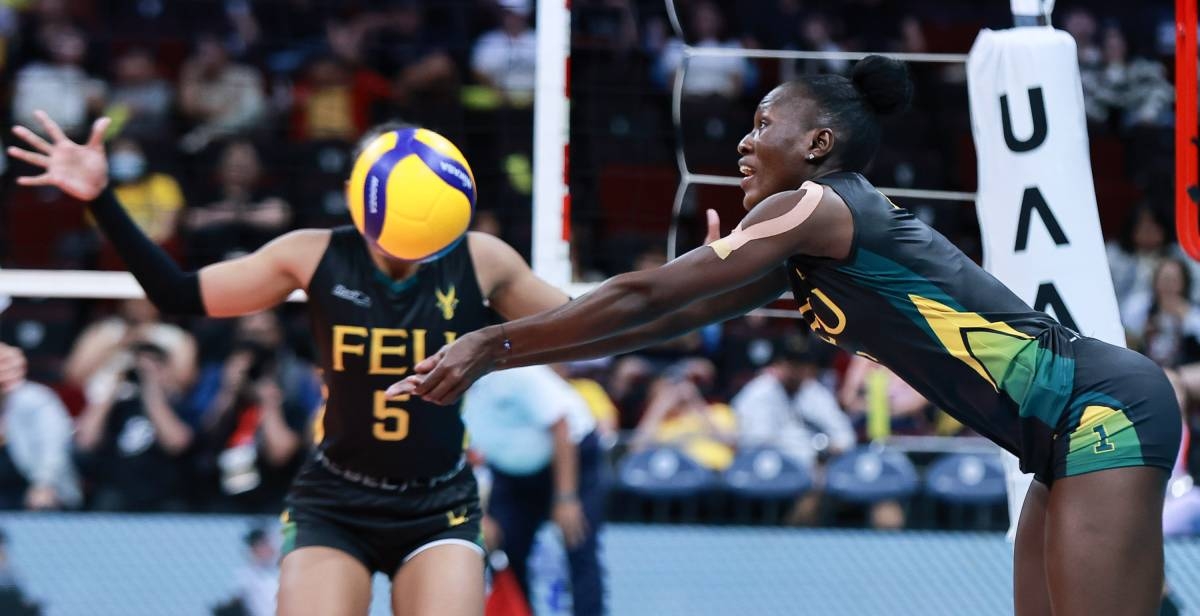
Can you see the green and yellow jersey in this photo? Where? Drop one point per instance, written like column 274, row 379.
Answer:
column 908, row 299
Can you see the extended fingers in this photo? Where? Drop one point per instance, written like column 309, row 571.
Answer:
column 33, row 158
column 429, row 363
column 52, row 129
column 36, row 180
column 32, row 139
column 99, row 128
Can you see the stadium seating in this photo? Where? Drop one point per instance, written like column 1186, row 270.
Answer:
column 967, row 481
column 870, row 475
column 763, row 475
column 663, row 476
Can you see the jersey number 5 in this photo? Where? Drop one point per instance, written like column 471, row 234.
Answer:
column 391, row 422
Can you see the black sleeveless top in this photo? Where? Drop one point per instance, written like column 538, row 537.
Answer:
column 907, row 298
column 370, row 331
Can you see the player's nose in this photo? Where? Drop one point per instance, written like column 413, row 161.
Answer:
column 745, row 146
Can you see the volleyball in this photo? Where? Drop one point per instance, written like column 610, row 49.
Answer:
column 411, row 193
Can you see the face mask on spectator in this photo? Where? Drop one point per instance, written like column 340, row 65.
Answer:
column 126, row 166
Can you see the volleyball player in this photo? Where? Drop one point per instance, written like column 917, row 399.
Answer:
column 388, row 488
column 1097, row 424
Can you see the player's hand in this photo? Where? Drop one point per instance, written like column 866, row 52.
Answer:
column 12, row 368
column 80, row 170
column 444, row 377
column 41, row 498
column 714, row 226
column 568, row 515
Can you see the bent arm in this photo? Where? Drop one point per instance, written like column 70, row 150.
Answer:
column 511, row 288
column 247, row 284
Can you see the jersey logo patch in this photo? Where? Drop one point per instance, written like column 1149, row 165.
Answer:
column 353, row 296
column 447, row 302
column 454, row 519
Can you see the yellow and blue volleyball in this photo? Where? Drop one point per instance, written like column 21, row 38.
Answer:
column 412, row 193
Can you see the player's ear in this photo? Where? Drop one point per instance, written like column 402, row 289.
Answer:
column 821, row 144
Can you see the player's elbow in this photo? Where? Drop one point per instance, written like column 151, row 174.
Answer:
column 640, row 297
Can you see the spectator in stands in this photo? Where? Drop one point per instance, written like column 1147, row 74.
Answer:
column 787, row 406
column 747, row 346
column 773, row 25
column 505, row 59
column 103, row 353
column 256, row 409
column 243, row 217
column 60, row 86
column 1080, row 23
column 1121, row 91
column 152, row 198
column 132, row 446
column 817, row 34
column 12, row 362
column 881, row 403
column 629, row 383
column 397, row 42
column 141, row 102
column 676, row 414
column 35, row 442
column 217, row 96
column 538, row 437
column 1164, row 324
column 1143, row 243
column 599, row 403
column 335, row 100
column 707, row 76
column 258, row 579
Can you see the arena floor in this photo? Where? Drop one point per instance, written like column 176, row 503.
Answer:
column 158, row 565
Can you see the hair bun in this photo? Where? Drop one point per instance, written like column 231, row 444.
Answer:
column 883, row 83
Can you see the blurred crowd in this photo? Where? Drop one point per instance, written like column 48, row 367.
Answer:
column 233, row 122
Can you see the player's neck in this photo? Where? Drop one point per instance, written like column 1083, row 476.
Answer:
column 393, row 268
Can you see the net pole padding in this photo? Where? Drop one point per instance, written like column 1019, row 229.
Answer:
column 1187, row 223
column 551, row 142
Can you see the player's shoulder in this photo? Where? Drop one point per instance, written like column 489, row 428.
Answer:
column 480, row 243
column 304, row 239
column 492, row 254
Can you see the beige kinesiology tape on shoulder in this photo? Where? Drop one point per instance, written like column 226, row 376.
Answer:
column 779, row 225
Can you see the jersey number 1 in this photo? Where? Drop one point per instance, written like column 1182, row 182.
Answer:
column 1105, row 445
column 391, row 422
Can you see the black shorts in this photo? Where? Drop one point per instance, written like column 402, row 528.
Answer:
column 1122, row 412
column 382, row 528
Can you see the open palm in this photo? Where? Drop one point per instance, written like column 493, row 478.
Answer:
column 80, row 170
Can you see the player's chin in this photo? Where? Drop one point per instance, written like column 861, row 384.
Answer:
column 750, row 198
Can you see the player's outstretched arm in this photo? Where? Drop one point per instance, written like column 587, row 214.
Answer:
column 511, row 287
column 799, row 221
column 248, row 284
column 671, row 325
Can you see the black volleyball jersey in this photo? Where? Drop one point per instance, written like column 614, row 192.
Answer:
column 908, row 299
column 370, row 331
